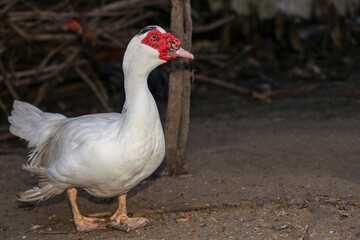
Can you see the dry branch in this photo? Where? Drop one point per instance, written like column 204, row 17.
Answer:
column 8, row 83
column 45, row 61
column 221, row 83
column 4, row 108
column 8, row 7
column 51, row 37
column 38, row 35
column 45, row 89
column 19, row 31
column 26, row 77
column 93, row 87
column 196, row 207
column 49, row 71
column 213, row 25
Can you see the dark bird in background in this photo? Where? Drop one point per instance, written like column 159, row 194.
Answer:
column 107, row 61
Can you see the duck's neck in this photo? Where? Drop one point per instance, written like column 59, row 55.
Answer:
column 139, row 106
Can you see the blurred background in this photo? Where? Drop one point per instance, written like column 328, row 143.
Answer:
column 253, row 58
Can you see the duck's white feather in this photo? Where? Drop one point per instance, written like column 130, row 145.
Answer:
column 30, row 123
column 106, row 154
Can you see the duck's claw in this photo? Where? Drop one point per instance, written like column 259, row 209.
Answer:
column 126, row 224
column 88, row 224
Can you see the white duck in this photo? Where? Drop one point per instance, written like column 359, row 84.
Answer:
column 107, row 154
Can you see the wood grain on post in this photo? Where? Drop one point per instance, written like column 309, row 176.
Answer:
column 177, row 116
column 185, row 113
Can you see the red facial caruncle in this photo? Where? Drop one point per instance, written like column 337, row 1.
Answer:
column 74, row 25
column 165, row 43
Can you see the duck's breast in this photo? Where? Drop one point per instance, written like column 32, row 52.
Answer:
column 111, row 162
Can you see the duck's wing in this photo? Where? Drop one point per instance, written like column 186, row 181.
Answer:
column 40, row 128
column 52, row 135
column 70, row 134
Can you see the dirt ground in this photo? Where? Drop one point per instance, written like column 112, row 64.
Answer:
column 266, row 176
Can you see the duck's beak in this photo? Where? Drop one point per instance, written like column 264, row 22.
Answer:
column 182, row 53
column 176, row 51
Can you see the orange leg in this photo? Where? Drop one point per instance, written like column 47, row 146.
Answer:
column 120, row 219
column 83, row 224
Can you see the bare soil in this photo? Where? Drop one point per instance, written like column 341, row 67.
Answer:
column 249, row 178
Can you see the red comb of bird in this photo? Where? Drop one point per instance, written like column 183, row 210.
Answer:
column 74, row 25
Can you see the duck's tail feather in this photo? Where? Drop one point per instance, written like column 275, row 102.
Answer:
column 37, row 127
column 43, row 192
column 37, row 194
column 24, row 118
column 30, row 123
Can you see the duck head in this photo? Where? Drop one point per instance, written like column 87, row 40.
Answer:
column 151, row 47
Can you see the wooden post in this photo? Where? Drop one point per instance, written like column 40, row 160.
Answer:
column 178, row 111
column 226, row 30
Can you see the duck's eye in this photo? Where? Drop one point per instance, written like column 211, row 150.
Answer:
column 154, row 37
